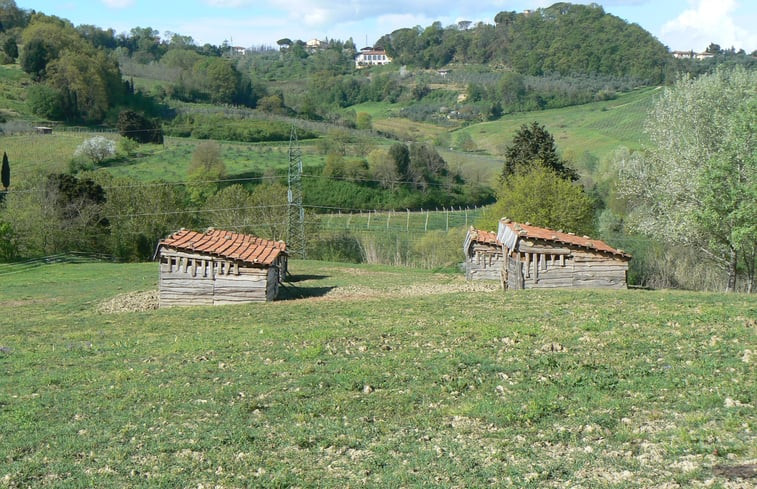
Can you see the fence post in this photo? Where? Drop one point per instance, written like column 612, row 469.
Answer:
column 369, row 219
column 388, row 215
column 466, row 218
column 407, row 226
column 425, row 228
column 447, row 212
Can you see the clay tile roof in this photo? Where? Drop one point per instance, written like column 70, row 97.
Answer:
column 227, row 244
column 485, row 237
column 534, row 232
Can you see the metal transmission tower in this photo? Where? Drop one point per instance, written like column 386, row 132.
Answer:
column 295, row 211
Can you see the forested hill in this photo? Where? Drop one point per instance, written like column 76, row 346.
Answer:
column 564, row 38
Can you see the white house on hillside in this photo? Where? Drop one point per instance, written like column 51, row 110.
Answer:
column 371, row 57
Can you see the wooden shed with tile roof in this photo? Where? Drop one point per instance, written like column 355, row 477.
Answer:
column 483, row 255
column 219, row 267
column 536, row 257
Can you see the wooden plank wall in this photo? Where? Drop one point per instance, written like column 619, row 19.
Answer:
column 193, row 279
column 484, row 263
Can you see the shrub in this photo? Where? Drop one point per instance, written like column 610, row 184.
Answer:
column 96, row 149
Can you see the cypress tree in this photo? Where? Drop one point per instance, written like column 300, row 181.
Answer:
column 6, row 172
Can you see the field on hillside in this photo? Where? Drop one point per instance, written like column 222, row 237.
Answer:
column 374, row 377
column 599, row 127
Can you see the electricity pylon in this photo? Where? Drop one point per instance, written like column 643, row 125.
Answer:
column 295, row 211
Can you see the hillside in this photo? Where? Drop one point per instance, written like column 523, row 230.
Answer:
column 563, row 38
column 378, row 377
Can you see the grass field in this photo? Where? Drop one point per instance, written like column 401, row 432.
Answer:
column 374, row 377
column 599, row 127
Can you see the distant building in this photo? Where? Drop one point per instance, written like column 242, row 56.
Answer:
column 371, row 57
column 314, row 45
column 691, row 55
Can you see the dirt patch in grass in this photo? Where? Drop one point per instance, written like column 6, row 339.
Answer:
column 414, row 290
column 130, row 302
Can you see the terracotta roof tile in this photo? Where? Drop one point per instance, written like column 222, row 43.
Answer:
column 528, row 231
column 227, row 244
column 485, row 237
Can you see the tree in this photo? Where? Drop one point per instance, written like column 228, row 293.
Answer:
column 6, row 172
column 91, row 80
column 97, row 149
column 400, row 155
column 383, row 169
column 534, row 145
column 205, row 171
column 231, row 208
column 136, row 126
column 45, row 101
column 141, row 215
column 695, row 183
column 269, row 201
column 363, row 120
column 543, row 198
column 219, row 78
column 10, row 47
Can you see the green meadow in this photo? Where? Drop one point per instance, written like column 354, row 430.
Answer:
column 598, row 127
column 371, row 376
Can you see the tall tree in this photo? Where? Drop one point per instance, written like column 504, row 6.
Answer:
column 400, row 155
column 696, row 182
column 542, row 197
column 534, row 145
column 205, row 171
column 6, row 172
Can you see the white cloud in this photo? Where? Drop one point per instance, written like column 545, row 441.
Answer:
column 118, row 3
column 708, row 21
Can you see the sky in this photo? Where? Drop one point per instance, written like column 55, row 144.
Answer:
column 679, row 24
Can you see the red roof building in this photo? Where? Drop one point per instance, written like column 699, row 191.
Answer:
column 536, row 257
column 219, row 267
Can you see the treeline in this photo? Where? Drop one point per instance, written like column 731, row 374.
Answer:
column 402, row 176
column 564, row 38
column 231, row 128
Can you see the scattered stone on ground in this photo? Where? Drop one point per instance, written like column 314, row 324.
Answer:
column 130, row 302
column 410, row 290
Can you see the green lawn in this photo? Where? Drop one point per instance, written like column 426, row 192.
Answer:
column 377, row 377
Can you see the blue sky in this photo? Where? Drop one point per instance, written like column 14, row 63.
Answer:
column 679, row 24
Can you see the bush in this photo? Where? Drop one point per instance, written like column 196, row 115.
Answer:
column 136, row 126
column 96, row 149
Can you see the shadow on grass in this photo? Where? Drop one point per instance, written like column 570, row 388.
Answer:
column 302, row 278
column 289, row 292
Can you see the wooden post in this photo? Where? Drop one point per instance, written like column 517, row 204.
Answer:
column 528, row 265
column 425, row 228
column 369, row 219
column 407, row 226
column 447, row 212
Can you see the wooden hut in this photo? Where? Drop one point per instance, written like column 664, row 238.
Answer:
column 483, row 255
column 537, row 257
column 219, row 267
